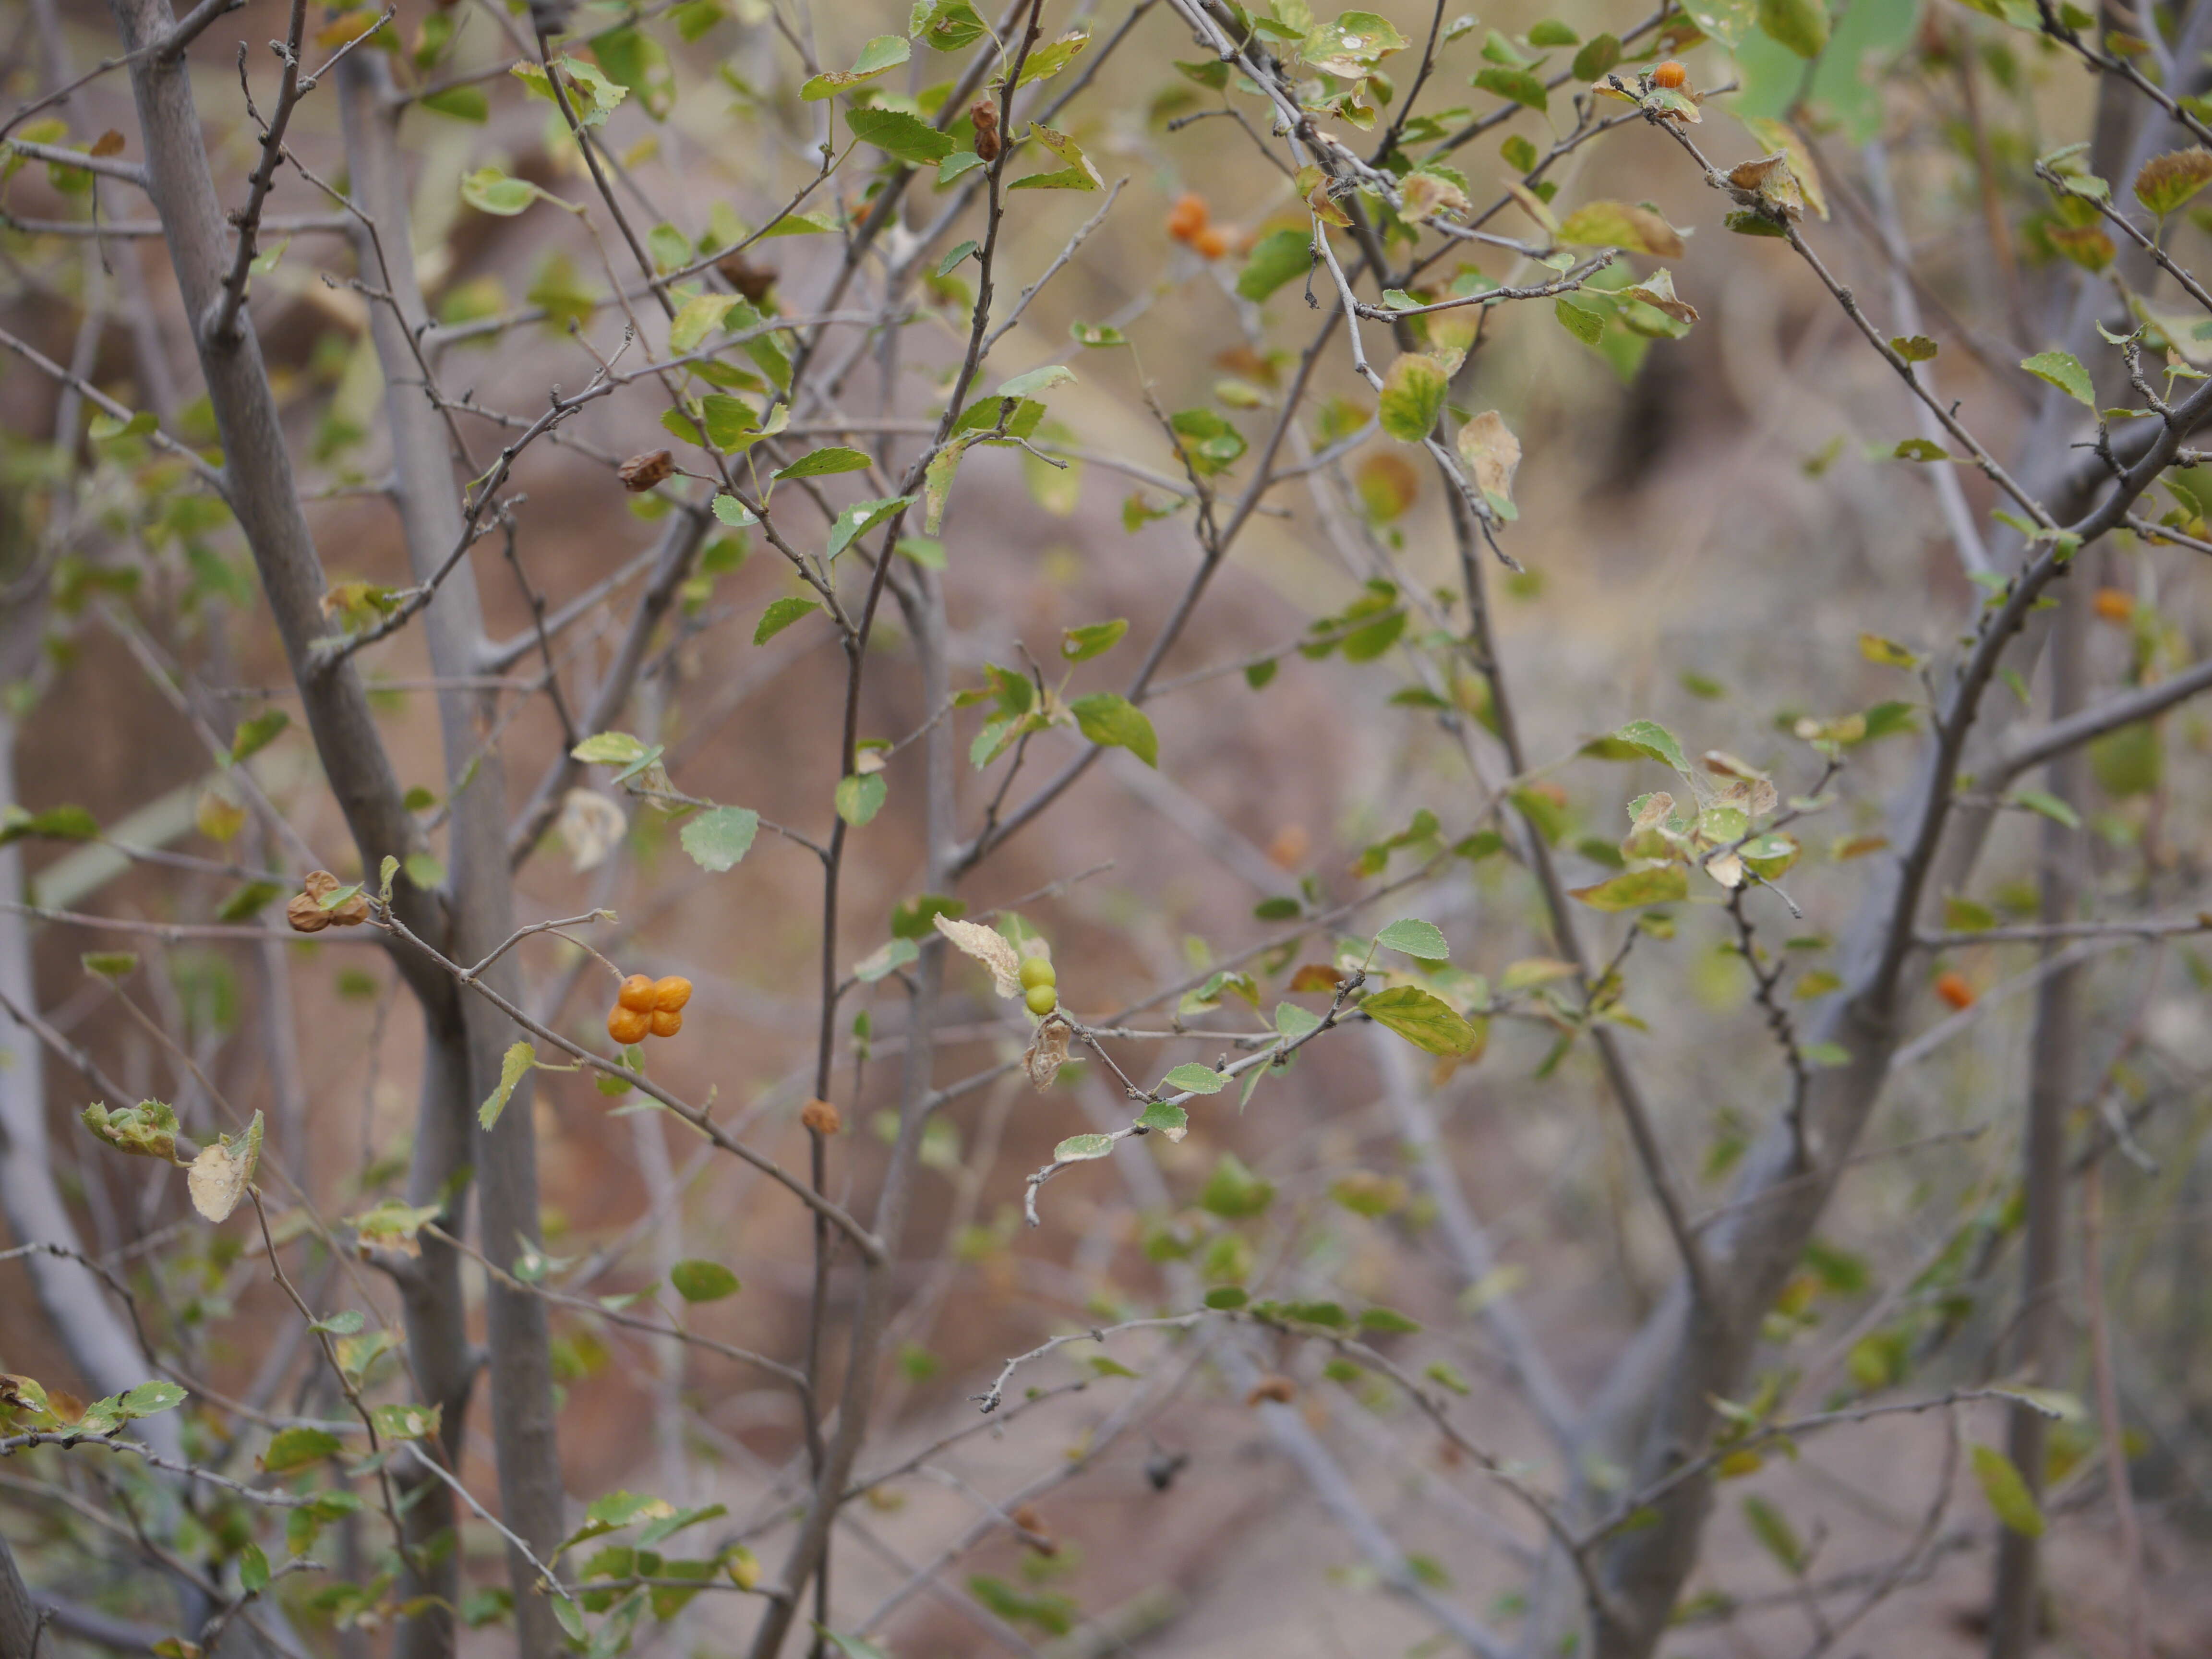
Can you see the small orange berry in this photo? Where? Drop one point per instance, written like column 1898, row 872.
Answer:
column 1671, row 75
column 627, row 1026
column 1212, row 242
column 1953, row 989
column 671, row 993
column 2115, row 605
column 636, row 993
column 1188, row 217
column 664, row 1022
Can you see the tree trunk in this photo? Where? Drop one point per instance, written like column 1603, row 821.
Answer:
column 479, row 895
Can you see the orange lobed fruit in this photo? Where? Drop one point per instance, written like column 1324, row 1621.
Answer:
column 1670, row 75
column 1212, row 242
column 1953, row 989
column 636, row 993
column 627, row 1026
column 2115, row 605
column 671, row 993
column 664, row 1022
column 1188, row 217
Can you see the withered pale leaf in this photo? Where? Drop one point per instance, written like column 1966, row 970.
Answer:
column 219, row 1175
column 992, row 949
column 1047, row 1053
column 590, row 826
column 1493, row 455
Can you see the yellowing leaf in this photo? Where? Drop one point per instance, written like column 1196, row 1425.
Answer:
column 2007, row 1494
column 1622, row 225
column 1636, row 888
column 2167, row 181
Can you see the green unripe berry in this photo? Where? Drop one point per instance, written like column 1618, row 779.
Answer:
column 1037, row 970
column 1042, row 999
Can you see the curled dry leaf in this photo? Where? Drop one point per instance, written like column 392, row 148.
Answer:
column 821, row 1117
column 1047, row 1053
column 1770, row 180
column 219, row 1175
column 590, row 826
column 640, row 472
column 1493, row 455
column 1658, row 806
column 1657, row 291
column 989, row 946
column 1422, row 195
column 110, row 142
column 984, row 114
column 1781, row 136
column 1280, row 1390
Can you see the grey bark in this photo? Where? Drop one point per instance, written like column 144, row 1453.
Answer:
column 479, row 895
column 19, row 1619
column 2040, row 1334
column 98, row 1340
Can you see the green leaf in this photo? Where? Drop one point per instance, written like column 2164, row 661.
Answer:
column 489, row 191
column 1775, row 1534
column 1413, row 398
column 1226, row 1296
column 1233, row 1191
column 1516, row 85
column 110, row 964
column 2064, row 370
column 1159, row 1115
column 1196, row 1080
column 296, row 1449
column 702, row 1281
column 820, row 462
column 860, row 517
column 461, row 103
column 609, row 748
column 1666, row 885
column 883, row 53
column 1352, row 45
column 1078, row 1148
column 150, row 1399
column 1036, row 380
column 1800, row 25
column 860, row 797
column 1585, row 325
column 1424, row 1020
column 1622, row 225
column 780, row 615
column 1111, row 720
column 2050, row 806
column 1415, row 938
column 1887, row 652
column 734, row 512
column 254, row 735
column 1279, row 257
column 518, row 1059
column 1077, row 171
column 1651, row 738
column 252, row 1570
column 1915, row 349
column 348, row 1323
column 718, row 838
column 1921, row 449
column 1092, row 639
column 905, row 137
column 2010, row 1500
column 698, row 317
column 1389, row 1321
column 1598, row 55
column 1096, row 334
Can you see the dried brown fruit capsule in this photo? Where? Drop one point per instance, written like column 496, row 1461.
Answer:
column 821, row 1117
column 640, row 472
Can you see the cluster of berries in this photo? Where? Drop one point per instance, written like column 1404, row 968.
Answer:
column 1040, row 985
column 646, row 1006
column 1189, row 221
